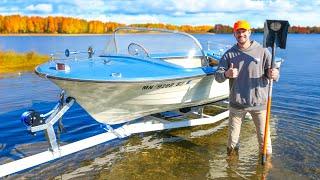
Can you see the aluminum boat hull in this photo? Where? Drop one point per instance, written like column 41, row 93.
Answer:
column 119, row 102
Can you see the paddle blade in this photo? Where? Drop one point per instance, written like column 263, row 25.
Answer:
column 275, row 31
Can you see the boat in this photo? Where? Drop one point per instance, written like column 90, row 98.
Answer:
column 142, row 71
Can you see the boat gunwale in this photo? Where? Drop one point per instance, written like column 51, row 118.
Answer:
column 108, row 81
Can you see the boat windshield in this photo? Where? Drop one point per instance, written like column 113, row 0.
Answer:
column 154, row 43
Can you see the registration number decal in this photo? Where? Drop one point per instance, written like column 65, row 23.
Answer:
column 165, row 85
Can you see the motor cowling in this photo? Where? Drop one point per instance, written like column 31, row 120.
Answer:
column 31, row 118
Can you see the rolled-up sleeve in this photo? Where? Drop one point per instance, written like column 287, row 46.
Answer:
column 222, row 67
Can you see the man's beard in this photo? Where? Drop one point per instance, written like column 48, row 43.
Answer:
column 242, row 42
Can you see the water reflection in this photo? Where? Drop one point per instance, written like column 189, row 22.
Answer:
column 178, row 154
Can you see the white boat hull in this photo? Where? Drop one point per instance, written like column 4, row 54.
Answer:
column 118, row 102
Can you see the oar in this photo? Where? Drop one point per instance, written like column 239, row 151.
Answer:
column 275, row 35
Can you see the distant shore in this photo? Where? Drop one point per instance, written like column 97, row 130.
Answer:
column 105, row 34
column 48, row 34
column 32, row 25
column 82, row 34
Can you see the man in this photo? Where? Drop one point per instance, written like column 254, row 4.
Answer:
column 247, row 65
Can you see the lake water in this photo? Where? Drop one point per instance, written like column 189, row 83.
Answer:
column 188, row 153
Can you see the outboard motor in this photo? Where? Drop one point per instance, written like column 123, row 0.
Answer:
column 32, row 118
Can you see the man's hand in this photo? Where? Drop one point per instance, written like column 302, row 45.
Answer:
column 273, row 73
column 231, row 72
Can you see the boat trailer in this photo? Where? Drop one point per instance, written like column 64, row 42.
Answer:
column 44, row 122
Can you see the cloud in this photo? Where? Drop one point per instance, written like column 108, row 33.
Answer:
column 89, row 5
column 45, row 8
column 299, row 12
column 124, row 18
column 218, row 6
column 171, row 7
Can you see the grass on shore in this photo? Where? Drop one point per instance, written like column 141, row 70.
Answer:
column 11, row 61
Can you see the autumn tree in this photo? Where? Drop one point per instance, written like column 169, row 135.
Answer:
column 11, row 24
column 171, row 27
column 1, row 23
column 186, row 28
column 52, row 26
column 96, row 27
column 69, row 25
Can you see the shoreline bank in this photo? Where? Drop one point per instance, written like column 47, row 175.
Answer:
column 11, row 61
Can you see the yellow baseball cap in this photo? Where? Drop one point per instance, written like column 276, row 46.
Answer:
column 241, row 24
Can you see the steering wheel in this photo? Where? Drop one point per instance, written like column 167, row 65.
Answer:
column 135, row 49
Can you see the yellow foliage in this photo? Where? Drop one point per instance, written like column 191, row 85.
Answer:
column 68, row 25
column 10, row 61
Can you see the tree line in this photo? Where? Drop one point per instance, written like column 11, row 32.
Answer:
column 68, row 25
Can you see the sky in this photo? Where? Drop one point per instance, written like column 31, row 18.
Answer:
column 178, row 12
